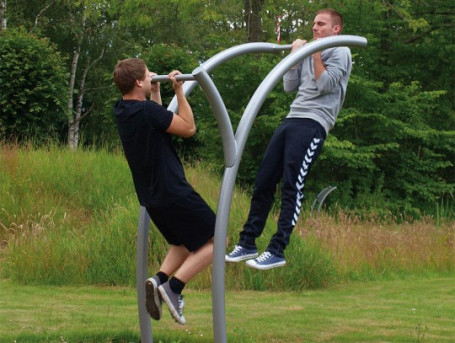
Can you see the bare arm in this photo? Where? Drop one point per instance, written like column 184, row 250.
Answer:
column 155, row 95
column 183, row 124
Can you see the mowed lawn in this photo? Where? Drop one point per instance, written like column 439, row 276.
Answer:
column 411, row 310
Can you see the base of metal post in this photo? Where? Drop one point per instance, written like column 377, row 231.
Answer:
column 141, row 275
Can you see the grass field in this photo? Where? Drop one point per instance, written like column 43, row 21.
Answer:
column 411, row 310
column 67, row 227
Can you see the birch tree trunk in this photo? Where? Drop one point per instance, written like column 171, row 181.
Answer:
column 73, row 117
column 73, row 125
column 78, row 115
column 3, row 15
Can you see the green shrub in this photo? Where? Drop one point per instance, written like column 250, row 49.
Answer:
column 32, row 87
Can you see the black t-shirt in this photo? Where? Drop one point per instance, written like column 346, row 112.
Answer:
column 157, row 172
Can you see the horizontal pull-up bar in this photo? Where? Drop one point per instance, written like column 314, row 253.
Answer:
column 180, row 77
column 256, row 47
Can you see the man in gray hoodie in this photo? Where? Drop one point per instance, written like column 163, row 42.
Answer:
column 320, row 81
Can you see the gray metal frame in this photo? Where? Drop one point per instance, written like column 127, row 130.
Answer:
column 233, row 146
column 322, row 195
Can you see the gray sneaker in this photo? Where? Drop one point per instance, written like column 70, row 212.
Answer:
column 173, row 301
column 240, row 254
column 266, row 261
column 152, row 297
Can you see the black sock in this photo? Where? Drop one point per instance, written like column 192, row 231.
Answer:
column 176, row 285
column 163, row 277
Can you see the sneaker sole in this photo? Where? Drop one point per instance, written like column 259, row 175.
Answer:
column 174, row 313
column 253, row 264
column 152, row 299
column 240, row 258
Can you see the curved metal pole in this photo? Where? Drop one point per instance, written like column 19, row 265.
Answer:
column 221, row 114
column 218, row 107
column 258, row 98
column 226, row 55
column 322, row 195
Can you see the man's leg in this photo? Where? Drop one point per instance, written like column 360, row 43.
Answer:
column 174, row 259
column 188, row 225
column 195, row 262
column 268, row 176
column 192, row 265
column 304, row 142
column 304, row 139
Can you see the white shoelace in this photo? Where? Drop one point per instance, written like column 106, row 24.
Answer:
column 264, row 256
column 237, row 248
column 181, row 304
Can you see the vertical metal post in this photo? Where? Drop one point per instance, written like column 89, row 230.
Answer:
column 221, row 115
column 141, row 275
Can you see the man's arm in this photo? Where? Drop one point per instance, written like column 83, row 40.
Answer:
column 291, row 80
column 336, row 66
column 156, row 94
column 319, row 66
column 183, row 124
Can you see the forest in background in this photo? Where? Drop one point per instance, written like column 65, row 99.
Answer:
column 391, row 151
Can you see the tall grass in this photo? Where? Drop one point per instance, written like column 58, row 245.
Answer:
column 372, row 250
column 70, row 217
column 67, row 216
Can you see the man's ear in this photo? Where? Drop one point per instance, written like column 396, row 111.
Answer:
column 337, row 29
column 139, row 83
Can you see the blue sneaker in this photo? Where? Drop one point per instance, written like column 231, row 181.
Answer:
column 240, row 254
column 266, row 261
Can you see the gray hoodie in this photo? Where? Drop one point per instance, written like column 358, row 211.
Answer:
column 320, row 100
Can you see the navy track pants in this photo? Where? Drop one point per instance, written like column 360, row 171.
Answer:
column 293, row 149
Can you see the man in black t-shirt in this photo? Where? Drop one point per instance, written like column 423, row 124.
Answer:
column 180, row 214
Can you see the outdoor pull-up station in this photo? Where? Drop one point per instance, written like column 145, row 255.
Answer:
column 233, row 146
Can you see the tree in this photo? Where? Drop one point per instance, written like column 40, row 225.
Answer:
column 32, row 76
column 384, row 154
column 396, row 110
column 399, row 111
column 3, row 15
column 253, row 21
column 85, row 31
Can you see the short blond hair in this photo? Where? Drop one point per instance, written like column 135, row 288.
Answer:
column 337, row 18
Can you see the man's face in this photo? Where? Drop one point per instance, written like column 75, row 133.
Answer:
column 147, row 83
column 323, row 26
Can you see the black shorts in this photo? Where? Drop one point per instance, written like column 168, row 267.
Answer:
column 189, row 221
